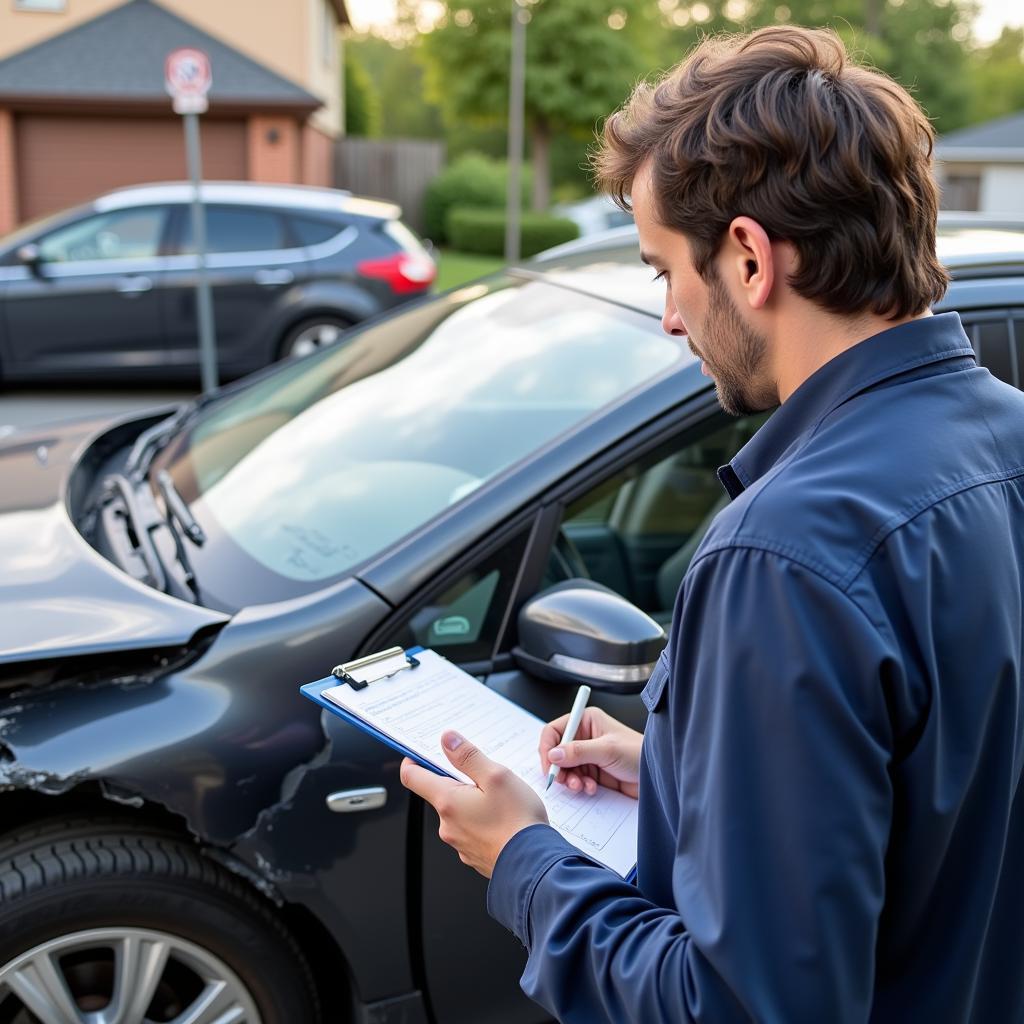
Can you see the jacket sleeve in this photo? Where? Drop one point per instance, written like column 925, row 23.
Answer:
column 776, row 720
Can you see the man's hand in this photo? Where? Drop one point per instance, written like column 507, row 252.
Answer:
column 604, row 753
column 476, row 820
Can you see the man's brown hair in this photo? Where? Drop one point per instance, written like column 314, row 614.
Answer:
column 781, row 126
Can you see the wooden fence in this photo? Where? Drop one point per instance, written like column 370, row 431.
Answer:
column 395, row 169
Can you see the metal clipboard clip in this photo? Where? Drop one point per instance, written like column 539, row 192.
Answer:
column 352, row 672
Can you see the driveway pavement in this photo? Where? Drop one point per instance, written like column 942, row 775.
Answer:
column 23, row 408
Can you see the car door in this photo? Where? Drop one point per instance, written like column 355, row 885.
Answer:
column 633, row 527
column 92, row 301
column 251, row 261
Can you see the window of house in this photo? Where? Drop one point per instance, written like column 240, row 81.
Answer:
column 961, row 192
column 40, row 5
column 327, row 41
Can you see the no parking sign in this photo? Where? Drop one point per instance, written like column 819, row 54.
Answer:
column 187, row 77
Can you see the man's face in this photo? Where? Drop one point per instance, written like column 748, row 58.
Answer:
column 730, row 350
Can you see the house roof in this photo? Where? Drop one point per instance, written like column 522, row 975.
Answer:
column 118, row 57
column 998, row 141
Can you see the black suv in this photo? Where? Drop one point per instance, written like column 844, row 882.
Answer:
column 108, row 289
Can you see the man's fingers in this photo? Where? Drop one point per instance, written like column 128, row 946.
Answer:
column 468, row 758
column 600, row 752
column 424, row 782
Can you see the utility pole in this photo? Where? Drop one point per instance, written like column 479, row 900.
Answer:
column 516, row 93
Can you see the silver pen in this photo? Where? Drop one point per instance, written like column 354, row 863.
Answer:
column 578, row 707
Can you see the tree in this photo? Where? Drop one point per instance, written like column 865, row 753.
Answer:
column 920, row 43
column 397, row 76
column 998, row 76
column 362, row 106
column 582, row 58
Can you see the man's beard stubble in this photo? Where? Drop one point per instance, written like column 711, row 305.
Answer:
column 741, row 355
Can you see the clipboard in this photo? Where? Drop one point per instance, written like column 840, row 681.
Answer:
column 603, row 827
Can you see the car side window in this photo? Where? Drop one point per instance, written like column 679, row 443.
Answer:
column 463, row 621
column 310, row 231
column 118, row 234
column 236, row 229
column 637, row 531
column 998, row 341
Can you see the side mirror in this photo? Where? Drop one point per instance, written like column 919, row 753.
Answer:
column 582, row 632
column 30, row 256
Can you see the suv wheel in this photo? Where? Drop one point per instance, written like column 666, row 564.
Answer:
column 100, row 924
column 312, row 335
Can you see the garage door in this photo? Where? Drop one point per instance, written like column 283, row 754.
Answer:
column 66, row 160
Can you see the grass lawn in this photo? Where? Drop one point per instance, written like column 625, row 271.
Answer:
column 455, row 268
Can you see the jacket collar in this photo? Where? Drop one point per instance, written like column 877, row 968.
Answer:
column 864, row 366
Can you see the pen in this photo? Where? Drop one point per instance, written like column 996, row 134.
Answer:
column 578, row 706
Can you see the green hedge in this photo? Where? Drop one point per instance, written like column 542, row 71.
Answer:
column 472, row 180
column 472, row 229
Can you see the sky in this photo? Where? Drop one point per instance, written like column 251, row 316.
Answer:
column 994, row 14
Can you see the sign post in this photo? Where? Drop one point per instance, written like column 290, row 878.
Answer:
column 188, row 78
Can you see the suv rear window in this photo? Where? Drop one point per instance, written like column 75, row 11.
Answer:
column 236, row 229
column 309, row 231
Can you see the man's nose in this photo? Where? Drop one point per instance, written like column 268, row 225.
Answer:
column 671, row 321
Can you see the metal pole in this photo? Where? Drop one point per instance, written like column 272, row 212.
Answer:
column 516, row 91
column 204, row 303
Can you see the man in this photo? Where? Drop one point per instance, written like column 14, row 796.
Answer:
column 831, row 808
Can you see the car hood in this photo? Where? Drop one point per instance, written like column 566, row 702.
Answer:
column 58, row 596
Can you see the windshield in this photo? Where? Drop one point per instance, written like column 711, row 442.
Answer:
column 327, row 462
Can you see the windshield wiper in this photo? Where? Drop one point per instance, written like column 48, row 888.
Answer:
column 178, row 509
column 151, row 441
column 129, row 515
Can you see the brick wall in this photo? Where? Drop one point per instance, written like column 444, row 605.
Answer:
column 317, row 157
column 274, row 149
column 8, row 174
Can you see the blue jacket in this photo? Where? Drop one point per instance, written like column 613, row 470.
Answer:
column 831, row 807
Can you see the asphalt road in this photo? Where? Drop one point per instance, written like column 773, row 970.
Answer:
column 33, row 407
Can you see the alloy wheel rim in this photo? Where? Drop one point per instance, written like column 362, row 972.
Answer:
column 314, row 338
column 119, row 976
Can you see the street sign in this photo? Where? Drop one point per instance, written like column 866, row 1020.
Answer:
column 187, row 77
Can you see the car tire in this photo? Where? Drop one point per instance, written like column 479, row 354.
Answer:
column 312, row 335
column 83, row 903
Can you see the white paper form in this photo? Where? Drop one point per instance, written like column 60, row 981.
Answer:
column 414, row 707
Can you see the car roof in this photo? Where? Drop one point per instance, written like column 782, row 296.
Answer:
column 608, row 265
column 302, row 197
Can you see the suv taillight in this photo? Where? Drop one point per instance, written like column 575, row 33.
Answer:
column 403, row 272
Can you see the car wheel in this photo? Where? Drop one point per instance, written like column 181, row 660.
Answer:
column 312, row 335
column 99, row 923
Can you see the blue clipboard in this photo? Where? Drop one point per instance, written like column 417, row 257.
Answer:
column 340, row 675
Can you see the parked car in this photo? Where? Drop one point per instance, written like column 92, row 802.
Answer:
column 594, row 214
column 180, row 829
column 107, row 290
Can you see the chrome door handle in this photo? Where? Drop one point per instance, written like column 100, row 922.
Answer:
column 134, row 285
column 269, row 278
column 345, row 801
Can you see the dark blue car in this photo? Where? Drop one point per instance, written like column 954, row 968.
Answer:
column 107, row 290
column 184, row 838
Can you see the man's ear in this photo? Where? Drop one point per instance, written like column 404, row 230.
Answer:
column 747, row 253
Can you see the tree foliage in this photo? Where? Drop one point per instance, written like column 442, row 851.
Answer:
column 450, row 79
column 362, row 105
column 581, row 60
